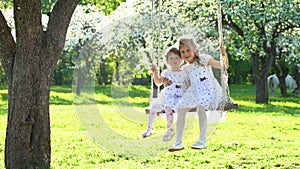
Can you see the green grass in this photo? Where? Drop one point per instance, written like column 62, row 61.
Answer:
column 254, row 136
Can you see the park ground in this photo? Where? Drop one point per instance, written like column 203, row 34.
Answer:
column 254, row 136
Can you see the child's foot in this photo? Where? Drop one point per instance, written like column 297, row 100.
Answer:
column 199, row 145
column 176, row 147
column 168, row 136
column 148, row 133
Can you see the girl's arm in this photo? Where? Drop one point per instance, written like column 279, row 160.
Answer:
column 157, row 80
column 216, row 63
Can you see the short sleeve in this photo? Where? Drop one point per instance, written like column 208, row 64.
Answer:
column 185, row 67
column 204, row 58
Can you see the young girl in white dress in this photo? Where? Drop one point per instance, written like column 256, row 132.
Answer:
column 171, row 94
column 205, row 93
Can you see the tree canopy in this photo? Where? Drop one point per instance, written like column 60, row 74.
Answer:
column 106, row 6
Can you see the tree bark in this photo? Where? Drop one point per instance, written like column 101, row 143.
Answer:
column 29, row 64
column 117, row 72
column 282, row 86
column 296, row 72
column 260, row 79
column 102, row 76
column 80, row 80
column 282, row 71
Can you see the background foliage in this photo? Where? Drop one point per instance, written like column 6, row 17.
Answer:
column 258, row 22
column 106, row 6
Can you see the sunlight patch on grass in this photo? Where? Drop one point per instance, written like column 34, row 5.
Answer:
column 249, row 104
column 286, row 104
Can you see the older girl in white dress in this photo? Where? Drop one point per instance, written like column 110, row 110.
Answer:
column 205, row 93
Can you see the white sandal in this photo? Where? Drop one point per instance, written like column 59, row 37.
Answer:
column 176, row 147
column 168, row 136
column 199, row 145
column 148, row 133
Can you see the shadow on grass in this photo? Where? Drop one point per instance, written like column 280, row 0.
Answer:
column 267, row 108
column 115, row 102
column 245, row 94
column 56, row 100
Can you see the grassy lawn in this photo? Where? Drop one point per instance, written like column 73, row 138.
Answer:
column 107, row 134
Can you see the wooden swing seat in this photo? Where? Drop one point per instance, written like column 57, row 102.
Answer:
column 226, row 105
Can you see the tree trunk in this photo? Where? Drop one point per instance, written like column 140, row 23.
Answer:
column 282, row 85
column 29, row 63
column 80, row 80
column 236, row 78
column 102, row 75
column 261, row 69
column 262, row 94
column 260, row 79
column 296, row 72
column 83, row 72
column 117, row 72
column 282, row 71
column 58, row 76
column 28, row 129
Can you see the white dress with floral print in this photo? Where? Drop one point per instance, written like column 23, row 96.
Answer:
column 170, row 95
column 205, row 90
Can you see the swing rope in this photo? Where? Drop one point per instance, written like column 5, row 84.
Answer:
column 147, row 110
column 152, row 52
column 227, row 102
column 158, row 51
column 224, row 75
column 153, row 43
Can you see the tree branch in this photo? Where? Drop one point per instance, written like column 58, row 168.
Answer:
column 268, row 62
column 277, row 31
column 59, row 20
column 7, row 46
column 262, row 34
column 233, row 25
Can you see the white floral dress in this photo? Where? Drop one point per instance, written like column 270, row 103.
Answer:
column 170, row 95
column 205, row 90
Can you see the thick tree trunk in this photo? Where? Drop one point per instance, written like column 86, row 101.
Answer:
column 261, row 69
column 29, row 63
column 260, row 79
column 28, row 129
column 262, row 94
column 282, row 86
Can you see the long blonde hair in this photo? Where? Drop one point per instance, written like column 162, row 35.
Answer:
column 190, row 42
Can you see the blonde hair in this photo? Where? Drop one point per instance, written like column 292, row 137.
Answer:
column 190, row 42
